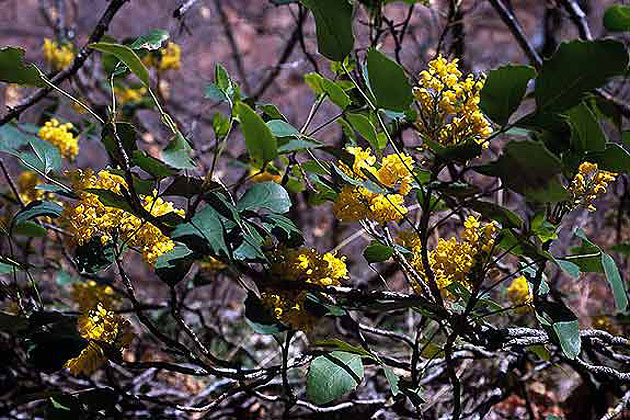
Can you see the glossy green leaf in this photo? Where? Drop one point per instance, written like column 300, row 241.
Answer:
column 13, row 69
column 377, row 252
column 616, row 283
column 150, row 41
column 364, row 126
column 260, row 142
column 207, row 225
column 127, row 56
column 177, row 154
column 265, row 195
column 42, row 156
column 576, row 68
column 388, row 82
column 617, row 18
column 560, row 321
column 526, row 167
column 332, row 375
column 586, row 133
column 333, row 23
column 503, row 91
column 614, row 158
column 37, row 209
column 280, row 128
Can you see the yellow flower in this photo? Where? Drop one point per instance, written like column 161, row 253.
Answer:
column 60, row 136
column 301, row 265
column 449, row 105
column 356, row 203
column 27, row 183
column 170, row 57
column 452, row 260
column 89, row 218
column 588, row 184
column 396, row 169
column 58, row 56
column 257, row 176
column 519, row 293
column 89, row 294
column 127, row 95
column 99, row 325
column 363, row 159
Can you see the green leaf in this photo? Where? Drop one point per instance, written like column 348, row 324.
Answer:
column 333, row 23
column 616, row 284
column 154, row 167
column 392, row 379
column 617, row 18
column 568, row 267
column 265, row 195
column 43, row 156
column 172, row 266
column 364, row 126
column 388, row 82
column 280, row 128
column 504, row 90
column 336, row 93
column 260, row 142
column 493, row 211
column 294, row 145
column 36, row 209
column 576, row 68
column 332, row 375
column 586, row 133
column 207, row 225
column 13, row 69
column 377, row 252
column 177, row 153
column 526, row 167
column 614, row 158
column 127, row 56
column 29, row 229
column 151, row 41
column 559, row 320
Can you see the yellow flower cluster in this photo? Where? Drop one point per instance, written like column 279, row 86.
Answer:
column 169, row 59
column 452, row 260
column 60, row 136
column 127, row 95
column 301, row 265
column 519, row 293
column 89, row 294
column 27, row 183
column 99, row 325
column 89, row 218
column 59, row 56
column 588, row 184
column 356, row 202
column 449, row 105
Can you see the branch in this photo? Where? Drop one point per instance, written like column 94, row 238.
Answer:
column 84, row 53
